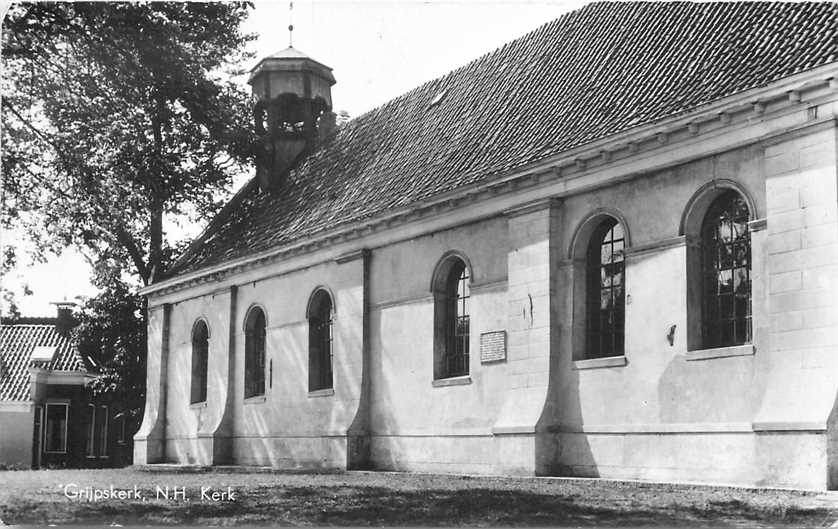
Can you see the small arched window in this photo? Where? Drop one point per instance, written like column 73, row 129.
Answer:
column 254, row 354
column 200, row 358
column 726, row 272
column 452, row 299
column 605, row 291
column 320, row 334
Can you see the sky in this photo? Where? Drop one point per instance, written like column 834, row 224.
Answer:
column 378, row 50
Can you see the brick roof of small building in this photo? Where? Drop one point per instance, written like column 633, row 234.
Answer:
column 17, row 341
column 592, row 73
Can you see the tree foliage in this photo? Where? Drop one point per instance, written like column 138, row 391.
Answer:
column 120, row 119
column 112, row 331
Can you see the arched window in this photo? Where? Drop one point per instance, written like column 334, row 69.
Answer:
column 200, row 357
column 726, row 273
column 254, row 353
column 605, row 291
column 320, row 331
column 452, row 333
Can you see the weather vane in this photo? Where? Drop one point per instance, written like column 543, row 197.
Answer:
column 290, row 24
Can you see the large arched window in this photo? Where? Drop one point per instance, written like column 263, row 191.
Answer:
column 452, row 313
column 200, row 357
column 254, row 353
column 320, row 334
column 726, row 272
column 605, row 291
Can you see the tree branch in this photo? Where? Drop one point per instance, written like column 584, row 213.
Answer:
column 30, row 126
column 130, row 245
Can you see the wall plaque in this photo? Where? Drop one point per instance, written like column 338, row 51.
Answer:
column 492, row 346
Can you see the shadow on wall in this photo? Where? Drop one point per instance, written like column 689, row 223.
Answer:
column 383, row 455
column 832, row 447
column 719, row 390
column 561, row 448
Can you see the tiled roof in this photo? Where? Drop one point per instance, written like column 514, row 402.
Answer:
column 16, row 345
column 595, row 72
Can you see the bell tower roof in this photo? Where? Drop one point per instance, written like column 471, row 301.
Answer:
column 291, row 60
column 289, row 53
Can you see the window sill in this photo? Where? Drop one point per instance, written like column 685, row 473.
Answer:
column 595, row 363
column 453, row 381
column 198, row 405
column 256, row 399
column 721, row 352
column 326, row 392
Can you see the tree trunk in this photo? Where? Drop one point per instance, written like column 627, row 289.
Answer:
column 155, row 245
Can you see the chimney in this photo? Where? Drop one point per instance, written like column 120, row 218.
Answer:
column 293, row 92
column 64, row 316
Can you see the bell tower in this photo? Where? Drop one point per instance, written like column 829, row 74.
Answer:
column 293, row 110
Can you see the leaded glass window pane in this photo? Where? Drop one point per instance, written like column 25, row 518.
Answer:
column 254, row 360
column 605, row 293
column 726, row 265
column 456, row 361
column 321, row 328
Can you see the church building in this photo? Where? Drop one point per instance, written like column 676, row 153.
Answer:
column 608, row 248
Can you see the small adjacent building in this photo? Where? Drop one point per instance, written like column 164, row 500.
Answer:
column 48, row 414
column 608, row 248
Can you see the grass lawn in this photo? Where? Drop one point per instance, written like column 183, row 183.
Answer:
column 361, row 498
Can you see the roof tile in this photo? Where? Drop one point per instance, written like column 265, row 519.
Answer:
column 594, row 72
column 16, row 345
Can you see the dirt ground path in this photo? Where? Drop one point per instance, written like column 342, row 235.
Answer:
column 374, row 499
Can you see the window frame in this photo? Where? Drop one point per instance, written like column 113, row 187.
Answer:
column 594, row 287
column 692, row 224
column 320, row 317
column 120, row 428
column 103, row 432
column 253, row 339
column 711, row 311
column 200, row 362
column 38, row 434
column 575, row 267
column 451, row 286
column 90, row 441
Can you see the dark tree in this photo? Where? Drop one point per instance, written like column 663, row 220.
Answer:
column 119, row 121
column 112, row 331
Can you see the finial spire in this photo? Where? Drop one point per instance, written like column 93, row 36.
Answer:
column 290, row 24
